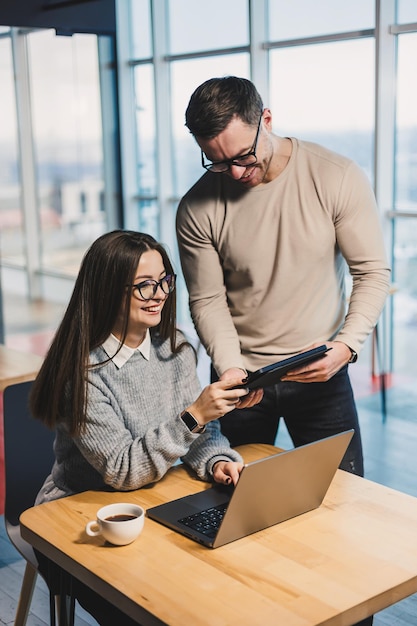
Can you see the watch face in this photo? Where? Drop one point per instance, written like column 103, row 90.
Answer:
column 190, row 421
column 354, row 357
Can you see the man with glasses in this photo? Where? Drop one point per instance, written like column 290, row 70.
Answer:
column 264, row 236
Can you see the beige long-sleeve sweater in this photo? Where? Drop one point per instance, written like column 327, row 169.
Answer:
column 265, row 267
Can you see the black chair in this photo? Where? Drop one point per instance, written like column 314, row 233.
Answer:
column 29, row 458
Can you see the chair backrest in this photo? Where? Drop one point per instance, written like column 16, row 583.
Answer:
column 28, row 451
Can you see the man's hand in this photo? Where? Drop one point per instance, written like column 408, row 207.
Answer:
column 323, row 369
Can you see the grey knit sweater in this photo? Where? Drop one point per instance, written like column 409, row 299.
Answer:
column 133, row 433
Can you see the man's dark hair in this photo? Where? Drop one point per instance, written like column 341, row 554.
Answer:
column 217, row 101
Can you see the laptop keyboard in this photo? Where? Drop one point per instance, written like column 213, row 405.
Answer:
column 206, row 522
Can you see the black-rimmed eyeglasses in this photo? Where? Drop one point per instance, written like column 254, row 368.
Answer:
column 148, row 288
column 241, row 161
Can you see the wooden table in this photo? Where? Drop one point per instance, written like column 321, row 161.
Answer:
column 352, row 557
column 17, row 367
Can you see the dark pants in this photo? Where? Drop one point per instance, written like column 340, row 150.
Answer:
column 311, row 411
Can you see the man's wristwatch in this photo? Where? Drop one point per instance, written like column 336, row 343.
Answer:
column 191, row 423
column 353, row 356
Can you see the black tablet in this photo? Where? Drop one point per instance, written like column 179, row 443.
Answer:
column 272, row 374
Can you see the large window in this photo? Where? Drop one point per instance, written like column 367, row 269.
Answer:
column 329, row 98
column 67, row 133
column 54, row 200
column 317, row 65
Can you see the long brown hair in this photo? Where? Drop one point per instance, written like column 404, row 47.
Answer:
column 59, row 392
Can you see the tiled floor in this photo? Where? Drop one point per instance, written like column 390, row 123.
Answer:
column 12, row 567
column 389, row 450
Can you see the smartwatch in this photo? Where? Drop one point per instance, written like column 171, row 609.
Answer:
column 353, row 356
column 191, row 423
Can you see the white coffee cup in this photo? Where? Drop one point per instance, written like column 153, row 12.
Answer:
column 119, row 523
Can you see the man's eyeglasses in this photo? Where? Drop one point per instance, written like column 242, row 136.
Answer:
column 147, row 289
column 241, row 161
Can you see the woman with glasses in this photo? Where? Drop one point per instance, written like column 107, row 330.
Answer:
column 119, row 382
column 120, row 388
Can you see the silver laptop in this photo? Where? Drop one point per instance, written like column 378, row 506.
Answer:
column 268, row 492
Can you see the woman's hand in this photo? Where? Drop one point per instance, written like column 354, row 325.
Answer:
column 220, row 398
column 227, row 472
column 252, row 398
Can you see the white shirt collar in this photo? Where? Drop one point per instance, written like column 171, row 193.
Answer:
column 112, row 344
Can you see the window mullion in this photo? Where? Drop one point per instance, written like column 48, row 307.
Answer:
column 385, row 88
column 164, row 149
column 28, row 181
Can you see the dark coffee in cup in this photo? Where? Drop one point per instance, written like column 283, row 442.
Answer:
column 121, row 517
column 118, row 534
